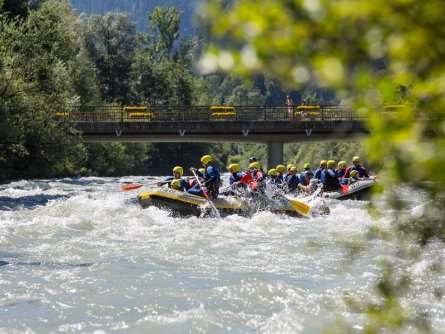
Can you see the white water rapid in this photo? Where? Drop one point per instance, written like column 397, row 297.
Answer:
column 81, row 256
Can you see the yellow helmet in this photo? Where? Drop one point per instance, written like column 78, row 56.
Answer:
column 341, row 164
column 356, row 159
column 176, row 183
column 179, row 170
column 272, row 172
column 353, row 173
column 323, row 162
column 330, row 163
column 202, row 170
column 280, row 168
column 206, row 159
column 235, row 167
column 306, row 166
column 255, row 165
column 289, row 166
column 294, row 169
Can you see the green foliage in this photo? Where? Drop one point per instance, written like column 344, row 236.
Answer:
column 35, row 82
column 164, row 23
column 138, row 10
column 370, row 53
column 111, row 42
column 115, row 159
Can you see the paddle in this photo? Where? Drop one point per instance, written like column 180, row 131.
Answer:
column 246, row 179
column 204, row 191
column 131, row 186
column 298, row 206
column 345, row 188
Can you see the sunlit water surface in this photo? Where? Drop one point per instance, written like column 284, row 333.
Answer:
column 80, row 256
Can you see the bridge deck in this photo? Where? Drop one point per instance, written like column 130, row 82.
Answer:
column 218, row 123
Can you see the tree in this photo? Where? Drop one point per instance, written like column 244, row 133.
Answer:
column 111, row 43
column 365, row 51
column 164, row 23
column 35, row 83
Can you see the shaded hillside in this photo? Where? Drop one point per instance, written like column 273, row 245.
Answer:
column 139, row 8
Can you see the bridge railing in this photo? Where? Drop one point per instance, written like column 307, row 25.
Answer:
column 137, row 114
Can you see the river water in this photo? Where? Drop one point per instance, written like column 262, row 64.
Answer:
column 80, row 256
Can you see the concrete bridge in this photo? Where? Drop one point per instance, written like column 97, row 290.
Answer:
column 273, row 126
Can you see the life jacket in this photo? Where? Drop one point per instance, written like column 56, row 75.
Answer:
column 235, row 177
column 362, row 172
column 292, row 182
column 212, row 179
column 184, row 185
column 258, row 176
column 331, row 182
column 317, row 174
column 340, row 173
column 301, row 177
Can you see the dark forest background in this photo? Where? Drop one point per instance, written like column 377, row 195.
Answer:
column 55, row 54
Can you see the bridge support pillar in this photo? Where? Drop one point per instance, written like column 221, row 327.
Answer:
column 274, row 154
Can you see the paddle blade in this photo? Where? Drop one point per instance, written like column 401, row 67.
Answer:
column 131, row 186
column 246, row 179
column 345, row 188
column 253, row 185
column 300, row 207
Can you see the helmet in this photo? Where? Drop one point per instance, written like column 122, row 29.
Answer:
column 206, row 159
column 323, row 162
column 330, row 163
column 255, row 165
column 272, row 172
column 179, row 170
column 289, row 166
column 294, row 169
column 176, row 183
column 356, row 159
column 306, row 166
column 353, row 173
column 235, row 167
column 280, row 168
column 202, row 170
column 341, row 164
column 252, row 159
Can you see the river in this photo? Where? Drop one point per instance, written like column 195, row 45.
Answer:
column 80, row 256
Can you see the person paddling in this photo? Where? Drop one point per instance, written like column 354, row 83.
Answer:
column 353, row 177
column 211, row 177
column 341, row 169
column 307, row 171
column 235, row 175
column 322, row 167
column 293, row 180
column 330, row 179
column 288, row 174
column 281, row 169
column 362, row 172
column 178, row 171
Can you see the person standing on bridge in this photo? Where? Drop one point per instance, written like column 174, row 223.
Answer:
column 290, row 107
column 211, row 176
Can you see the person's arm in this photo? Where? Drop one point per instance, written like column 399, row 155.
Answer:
column 165, row 181
column 365, row 172
column 346, row 174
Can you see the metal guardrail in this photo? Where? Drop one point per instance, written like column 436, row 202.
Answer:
column 139, row 114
